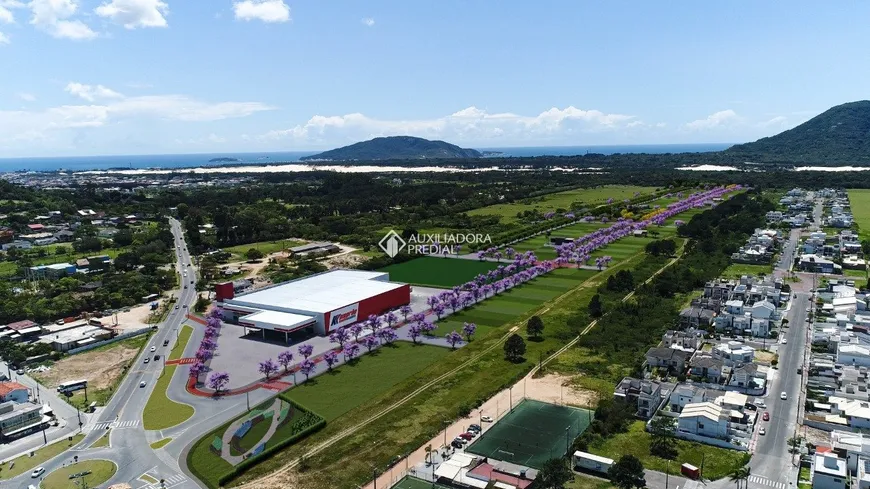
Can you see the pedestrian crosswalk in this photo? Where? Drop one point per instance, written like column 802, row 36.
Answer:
column 171, row 481
column 116, row 425
column 767, row 482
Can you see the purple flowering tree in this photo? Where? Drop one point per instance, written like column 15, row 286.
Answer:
column 388, row 335
column 439, row 310
column 267, row 368
column 391, row 319
column 196, row 370
column 285, row 358
column 351, row 350
column 307, row 368
column 374, row 322
column 356, row 329
column 305, row 350
column 203, row 355
column 415, row 331
column 331, row 358
column 405, row 311
column 339, row 336
column 218, row 381
column 371, row 341
column 453, row 338
column 468, row 329
column 428, row 327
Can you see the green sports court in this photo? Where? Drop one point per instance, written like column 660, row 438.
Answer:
column 532, row 433
column 415, row 483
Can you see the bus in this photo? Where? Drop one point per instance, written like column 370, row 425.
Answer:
column 72, row 386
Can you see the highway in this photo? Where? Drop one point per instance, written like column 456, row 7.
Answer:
column 129, row 442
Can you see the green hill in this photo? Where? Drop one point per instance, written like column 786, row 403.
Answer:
column 839, row 135
column 395, row 147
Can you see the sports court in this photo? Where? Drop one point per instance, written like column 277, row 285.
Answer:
column 532, row 433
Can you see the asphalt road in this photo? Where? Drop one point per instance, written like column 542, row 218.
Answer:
column 129, row 442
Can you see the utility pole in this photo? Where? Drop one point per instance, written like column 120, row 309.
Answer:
column 667, row 472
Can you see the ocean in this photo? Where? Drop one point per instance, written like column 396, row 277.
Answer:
column 82, row 163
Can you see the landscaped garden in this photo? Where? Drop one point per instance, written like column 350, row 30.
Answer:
column 98, row 472
column 26, row 463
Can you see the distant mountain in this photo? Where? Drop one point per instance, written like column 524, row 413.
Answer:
column 841, row 134
column 395, row 147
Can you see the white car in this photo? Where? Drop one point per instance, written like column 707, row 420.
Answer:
column 760, row 403
column 142, row 384
column 784, row 341
column 486, row 419
column 153, row 348
column 762, row 431
column 37, row 472
column 783, row 396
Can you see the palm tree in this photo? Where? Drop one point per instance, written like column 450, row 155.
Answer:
column 740, row 475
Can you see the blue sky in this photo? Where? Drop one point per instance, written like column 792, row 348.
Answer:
column 84, row 77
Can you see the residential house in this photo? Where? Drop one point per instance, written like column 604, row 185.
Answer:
column 818, row 264
column 685, row 394
column 734, row 307
column 706, row 367
column 744, row 375
column 734, row 353
column 829, row 471
column 690, row 339
column 645, row 394
column 704, row 419
column 13, row 391
column 853, row 354
column 50, row 272
column 855, row 412
column 696, row 317
column 670, row 358
column 763, row 310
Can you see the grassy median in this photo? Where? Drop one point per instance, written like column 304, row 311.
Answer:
column 26, row 463
column 160, row 411
column 100, row 472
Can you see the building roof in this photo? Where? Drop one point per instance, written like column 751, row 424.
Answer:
column 735, row 398
column 282, row 321
column 854, row 349
column 319, row 293
column 7, row 387
column 829, row 464
column 706, row 362
column 19, row 325
column 311, row 247
column 667, row 354
column 707, row 410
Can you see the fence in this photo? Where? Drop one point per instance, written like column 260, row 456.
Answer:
column 120, row 337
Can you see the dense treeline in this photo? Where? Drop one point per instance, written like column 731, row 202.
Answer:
column 628, row 329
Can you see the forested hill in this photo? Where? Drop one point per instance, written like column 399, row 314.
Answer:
column 396, row 147
column 840, row 135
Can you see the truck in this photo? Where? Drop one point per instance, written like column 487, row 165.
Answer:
column 590, row 462
column 690, row 471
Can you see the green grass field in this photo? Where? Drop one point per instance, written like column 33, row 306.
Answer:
column 737, row 270
column 160, row 411
column 100, row 472
column 26, row 463
column 415, row 483
column 437, row 272
column 561, row 200
column 859, row 201
column 103, row 441
column 372, row 375
column 264, row 246
column 718, row 462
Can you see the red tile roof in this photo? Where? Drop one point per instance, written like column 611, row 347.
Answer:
column 18, row 326
column 488, row 471
column 35, row 227
column 8, row 387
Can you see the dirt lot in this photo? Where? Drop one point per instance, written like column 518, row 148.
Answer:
column 557, row 389
column 101, row 367
column 764, row 357
column 135, row 319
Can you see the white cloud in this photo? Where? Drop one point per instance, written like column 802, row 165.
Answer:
column 91, row 93
column 719, row 119
column 368, row 21
column 4, row 39
column 265, row 10
column 53, row 16
column 6, row 16
column 27, row 97
column 133, row 14
column 469, row 124
column 776, row 121
column 109, row 106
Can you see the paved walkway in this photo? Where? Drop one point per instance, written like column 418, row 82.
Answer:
column 275, row 421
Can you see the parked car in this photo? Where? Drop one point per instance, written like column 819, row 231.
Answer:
column 37, row 472
column 460, row 440
column 766, row 416
column 474, row 427
column 762, row 431
column 784, row 341
column 760, row 403
column 467, row 436
column 783, row 396
column 176, row 306
column 456, row 444
column 486, row 419
column 20, row 371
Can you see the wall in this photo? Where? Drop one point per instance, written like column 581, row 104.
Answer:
column 107, row 342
